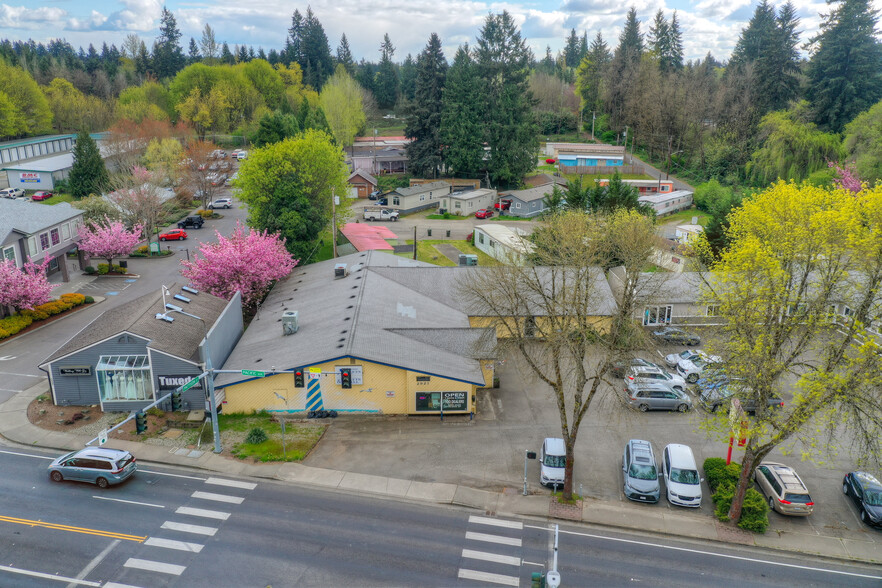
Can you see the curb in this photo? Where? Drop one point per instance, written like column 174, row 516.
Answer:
column 96, row 300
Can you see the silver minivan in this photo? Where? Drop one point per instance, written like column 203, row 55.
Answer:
column 552, row 462
column 640, row 472
column 97, row 465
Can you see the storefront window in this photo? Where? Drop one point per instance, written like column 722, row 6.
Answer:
column 56, row 239
column 44, row 241
column 124, row 377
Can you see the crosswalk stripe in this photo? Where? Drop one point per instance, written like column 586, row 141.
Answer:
column 513, row 541
column 494, row 557
column 496, row 522
column 172, row 544
column 231, row 483
column 117, row 585
column 184, row 528
column 217, row 497
column 155, row 566
column 488, row 577
column 201, row 512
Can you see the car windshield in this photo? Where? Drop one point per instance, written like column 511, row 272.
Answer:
column 642, row 472
column 556, row 461
column 684, row 476
column 685, row 354
column 798, row 498
column 873, row 497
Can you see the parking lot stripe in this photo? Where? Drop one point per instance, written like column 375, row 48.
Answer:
column 217, row 497
column 494, row 557
column 496, row 522
column 116, row 585
column 172, row 544
column 488, row 577
column 231, row 483
column 154, row 566
column 201, row 512
column 185, row 528
column 514, row 541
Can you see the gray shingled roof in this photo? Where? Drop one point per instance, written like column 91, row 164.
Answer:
column 29, row 217
column 364, row 174
column 180, row 338
column 364, row 315
column 420, row 188
column 531, row 194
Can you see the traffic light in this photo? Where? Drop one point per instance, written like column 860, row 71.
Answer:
column 177, row 400
column 298, row 379
column 140, row 422
column 346, row 378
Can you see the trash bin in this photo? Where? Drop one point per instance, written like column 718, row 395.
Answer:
column 429, row 232
column 448, row 233
column 125, row 264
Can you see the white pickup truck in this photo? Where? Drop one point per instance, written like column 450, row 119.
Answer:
column 375, row 213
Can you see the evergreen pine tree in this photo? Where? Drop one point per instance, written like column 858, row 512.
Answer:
column 194, row 51
column 168, row 57
column 408, row 74
column 630, row 47
column 88, row 175
column 294, row 43
column 424, row 124
column 571, row 49
column 461, row 119
column 226, row 56
column 845, row 71
column 659, row 36
column 364, row 75
column 344, row 55
column 675, row 45
column 386, row 85
column 590, row 74
column 316, row 60
column 242, row 54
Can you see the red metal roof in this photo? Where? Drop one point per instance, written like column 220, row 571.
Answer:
column 365, row 237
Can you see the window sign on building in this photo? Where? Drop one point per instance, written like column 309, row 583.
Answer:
column 56, row 237
column 44, row 241
column 124, row 377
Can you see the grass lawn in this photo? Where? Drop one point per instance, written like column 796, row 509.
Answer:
column 447, row 216
column 505, row 217
column 59, row 198
column 427, row 252
column 685, row 216
column 299, row 438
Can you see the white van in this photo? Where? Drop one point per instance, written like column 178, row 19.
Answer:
column 552, row 462
column 682, row 480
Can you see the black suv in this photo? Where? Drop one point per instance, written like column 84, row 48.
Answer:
column 194, row 222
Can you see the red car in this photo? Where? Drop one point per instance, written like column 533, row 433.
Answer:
column 484, row 213
column 503, row 205
column 173, row 235
column 41, row 196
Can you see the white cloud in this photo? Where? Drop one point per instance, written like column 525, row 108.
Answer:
column 138, row 15
column 95, row 21
column 719, row 9
column 21, row 17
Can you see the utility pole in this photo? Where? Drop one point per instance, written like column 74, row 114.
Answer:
column 376, row 171
column 593, row 118
column 668, row 166
column 414, row 244
column 334, row 220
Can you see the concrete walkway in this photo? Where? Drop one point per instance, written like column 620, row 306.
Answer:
column 15, row 427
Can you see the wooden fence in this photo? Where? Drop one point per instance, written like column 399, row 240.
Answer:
column 606, row 170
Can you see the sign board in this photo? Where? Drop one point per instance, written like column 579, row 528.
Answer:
column 190, row 384
column 254, row 373
column 454, row 400
column 29, row 178
column 154, row 247
column 316, row 372
column 172, row 382
column 431, row 401
column 102, row 437
column 354, row 371
column 390, row 393
column 75, row 370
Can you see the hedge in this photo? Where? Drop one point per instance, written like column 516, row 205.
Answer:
column 722, row 479
column 13, row 324
column 716, row 471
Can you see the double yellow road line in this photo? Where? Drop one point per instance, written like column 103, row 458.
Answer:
column 84, row 530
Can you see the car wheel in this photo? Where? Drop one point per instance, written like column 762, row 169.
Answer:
column 102, row 483
column 771, row 503
column 643, row 407
column 162, row 238
column 683, row 408
column 692, row 378
column 715, row 407
column 56, row 476
column 845, row 488
column 864, row 516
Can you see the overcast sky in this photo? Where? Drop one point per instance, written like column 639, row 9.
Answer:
column 707, row 25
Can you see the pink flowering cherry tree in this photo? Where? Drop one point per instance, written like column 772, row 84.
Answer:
column 847, row 177
column 26, row 287
column 248, row 261
column 110, row 240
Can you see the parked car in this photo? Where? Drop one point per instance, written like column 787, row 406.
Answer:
column 173, row 235
column 225, row 166
column 374, row 195
column 677, row 336
column 194, row 222
column 682, row 482
column 674, row 358
column 373, row 213
column 41, row 195
column 221, row 203
column 655, row 374
column 866, row 491
column 502, row 205
column 12, row 193
column 213, row 167
column 640, row 472
column 484, row 213
column 219, row 179
column 784, row 489
column 620, row 367
column 552, row 462
column 645, row 396
column 713, row 398
column 97, row 465
column 242, row 155
column 690, row 370
column 383, row 201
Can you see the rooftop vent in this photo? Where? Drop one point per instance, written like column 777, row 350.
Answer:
column 340, row 271
column 182, row 298
column 190, row 290
column 164, row 317
column 290, row 322
column 174, row 307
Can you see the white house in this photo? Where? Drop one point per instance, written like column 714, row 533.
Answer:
column 687, row 234
column 668, row 203
column 465, row 203
column 507, row 244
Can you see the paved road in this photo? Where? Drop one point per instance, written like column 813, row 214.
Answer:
column 19, row 357
column 185, row 528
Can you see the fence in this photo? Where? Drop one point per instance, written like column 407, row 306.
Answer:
column 605, row 170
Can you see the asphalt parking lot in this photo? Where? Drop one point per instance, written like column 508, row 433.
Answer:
column 488, row 452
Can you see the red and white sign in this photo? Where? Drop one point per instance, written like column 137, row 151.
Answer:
column 29, row 177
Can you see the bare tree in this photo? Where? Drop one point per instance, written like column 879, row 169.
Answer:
column 137, row 196
column 197, row 164
column 558, row 312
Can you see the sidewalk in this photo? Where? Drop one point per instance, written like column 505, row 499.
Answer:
column 15, row 427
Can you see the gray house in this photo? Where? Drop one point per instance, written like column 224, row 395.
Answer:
column 38, row 231
column 530, row 202
column 419, row 197
column 666, row 298
column 127, row 357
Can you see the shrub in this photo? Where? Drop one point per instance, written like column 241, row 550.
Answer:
column 37, row 314
column 754, row 512
column 103, row 268
column 549, row 160
column 88, row 300
column 471, row 238
column 119, row 269
column 205, row 213
column 89, row 269
column 13, row 324
column 256, row 436
column 716, row 471
column 74, row 298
